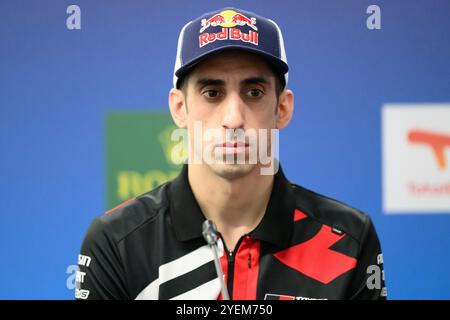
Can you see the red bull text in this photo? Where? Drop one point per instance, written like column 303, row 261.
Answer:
column 228, row 33
column 227, row 20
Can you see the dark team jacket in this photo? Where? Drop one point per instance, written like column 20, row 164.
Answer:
column 307, row 246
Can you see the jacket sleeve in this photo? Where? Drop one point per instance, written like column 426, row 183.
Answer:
column 368, row 278
column 100, row 269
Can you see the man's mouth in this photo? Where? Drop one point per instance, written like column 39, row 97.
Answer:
column 232, row 147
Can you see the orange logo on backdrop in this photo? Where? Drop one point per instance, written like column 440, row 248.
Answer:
column 437, row 141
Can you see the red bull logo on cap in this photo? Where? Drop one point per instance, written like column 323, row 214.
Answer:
column 228, row 19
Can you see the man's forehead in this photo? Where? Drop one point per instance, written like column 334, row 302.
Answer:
column 236, row 64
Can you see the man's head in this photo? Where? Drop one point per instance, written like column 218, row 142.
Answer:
column 226, row 29
column 231, row 88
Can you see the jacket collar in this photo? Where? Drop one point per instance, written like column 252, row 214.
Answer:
column 275, row 227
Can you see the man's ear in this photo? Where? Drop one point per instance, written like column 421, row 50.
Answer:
column 177, row 106
column 285, row 108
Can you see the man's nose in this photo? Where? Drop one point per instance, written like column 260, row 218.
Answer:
column 233, row 116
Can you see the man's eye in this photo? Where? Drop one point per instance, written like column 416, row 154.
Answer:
column 211, row 94
column 255, row 92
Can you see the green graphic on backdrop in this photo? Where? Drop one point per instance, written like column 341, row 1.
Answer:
column 138, row 153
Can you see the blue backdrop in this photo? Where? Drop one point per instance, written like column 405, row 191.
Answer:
column 56, row 86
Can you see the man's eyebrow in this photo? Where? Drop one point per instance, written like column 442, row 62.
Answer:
column 256, row 80
column 209, row 82
column 219, row 82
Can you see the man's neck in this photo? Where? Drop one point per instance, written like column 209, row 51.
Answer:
column 235, row 205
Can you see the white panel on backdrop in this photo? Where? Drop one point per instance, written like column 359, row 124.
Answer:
column 416, row 158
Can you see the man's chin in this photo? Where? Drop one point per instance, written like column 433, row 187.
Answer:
column 232, row 171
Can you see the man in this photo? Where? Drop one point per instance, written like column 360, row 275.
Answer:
column 277, row 240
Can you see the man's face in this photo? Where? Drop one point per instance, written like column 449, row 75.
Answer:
column 229, row 91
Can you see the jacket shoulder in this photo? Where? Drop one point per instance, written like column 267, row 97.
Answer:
column 331, row 212
column 132, row 214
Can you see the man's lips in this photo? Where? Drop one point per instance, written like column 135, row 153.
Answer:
column 232, row 147
column 233, row 144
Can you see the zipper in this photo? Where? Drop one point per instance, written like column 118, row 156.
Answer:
column 230, row 274
column 231, row 256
